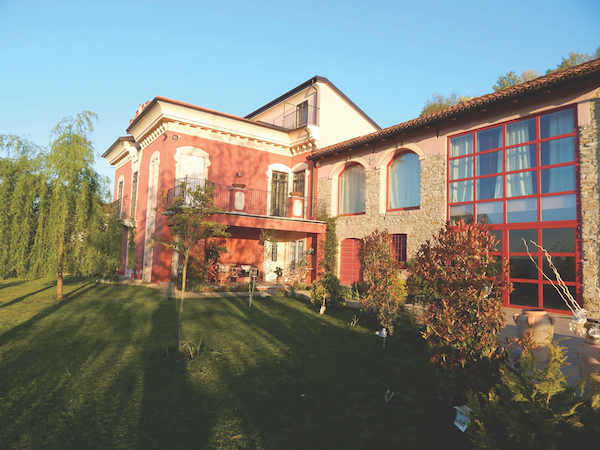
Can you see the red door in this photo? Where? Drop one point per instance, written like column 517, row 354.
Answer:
column 350, row 269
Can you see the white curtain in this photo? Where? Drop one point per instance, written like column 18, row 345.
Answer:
column 520, row 158
column 461, row 191
column 461, row 168
column 462, row 145
column 353, row 189
column 404, row 186
column 557, row 123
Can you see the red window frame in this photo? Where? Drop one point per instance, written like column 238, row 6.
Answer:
column 387, row 186
column 504, row 228
column 346, row 167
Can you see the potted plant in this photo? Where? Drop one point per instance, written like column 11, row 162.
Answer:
column 279, row 273
column 245, row 276
column 588, row 354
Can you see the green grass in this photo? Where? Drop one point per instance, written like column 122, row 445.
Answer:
column 92, row 372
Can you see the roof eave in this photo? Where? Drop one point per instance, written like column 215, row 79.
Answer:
column 455, row 111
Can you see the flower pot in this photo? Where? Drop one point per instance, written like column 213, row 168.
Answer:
column 280, row 281
column 588, row 359
column 296, row 194
column 540, row 325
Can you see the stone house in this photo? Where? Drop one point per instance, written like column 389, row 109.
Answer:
column 524, row 159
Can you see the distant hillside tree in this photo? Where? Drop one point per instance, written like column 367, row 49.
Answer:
column 440, row 101
column 573, row 59
column 511, row 79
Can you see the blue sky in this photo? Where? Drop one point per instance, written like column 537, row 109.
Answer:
column 59, row 58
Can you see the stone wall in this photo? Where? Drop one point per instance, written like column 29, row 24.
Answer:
column 589, row 154
column 418, row 224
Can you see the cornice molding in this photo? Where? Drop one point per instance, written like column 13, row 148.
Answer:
column 173, row 127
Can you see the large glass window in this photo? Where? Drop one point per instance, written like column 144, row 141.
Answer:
column 404, row 182
column 353, row 190
column 521, row 177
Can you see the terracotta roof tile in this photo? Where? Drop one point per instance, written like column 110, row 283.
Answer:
column 510, row 93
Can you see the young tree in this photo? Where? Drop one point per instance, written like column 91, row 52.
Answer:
column 461, row 282
column 187, row 215
column 330, row 244
column 385, row 293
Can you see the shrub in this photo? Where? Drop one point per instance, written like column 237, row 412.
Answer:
column 330, row 244
column 328, row 286
column 385, row 294
column 360, row 287
column 461, row 283
column 300, row 286
column 224, row 288
column 533, row 407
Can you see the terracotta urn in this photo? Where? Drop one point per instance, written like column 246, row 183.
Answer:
column 588, row 358
column 541, row 325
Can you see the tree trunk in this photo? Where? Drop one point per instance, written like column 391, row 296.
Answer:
column 59, row 286
column 179, row 344
column 59, row 280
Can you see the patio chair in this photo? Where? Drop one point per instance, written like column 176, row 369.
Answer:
column 225, row 273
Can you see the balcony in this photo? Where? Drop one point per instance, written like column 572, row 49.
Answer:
column 237, row 199
column 121, row 209
column 296, row 116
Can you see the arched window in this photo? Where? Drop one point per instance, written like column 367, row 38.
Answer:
column 404, row 182
column 353, row 190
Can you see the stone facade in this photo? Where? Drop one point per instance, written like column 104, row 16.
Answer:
column 589, row 154
column 418, row 224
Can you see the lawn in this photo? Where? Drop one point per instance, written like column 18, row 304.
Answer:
column 98, row 370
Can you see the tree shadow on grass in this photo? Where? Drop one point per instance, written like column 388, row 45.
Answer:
column 53, row 308
column 54, row 388
column 172, row 408
column 4, row 285
column 290, row 378
column 67, row 282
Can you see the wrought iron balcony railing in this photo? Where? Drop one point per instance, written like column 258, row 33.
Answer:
column 296, row 117
column 238, row 199
column 121, row 209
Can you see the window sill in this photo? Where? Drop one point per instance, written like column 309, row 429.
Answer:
column 412, row 208
column 352, row 214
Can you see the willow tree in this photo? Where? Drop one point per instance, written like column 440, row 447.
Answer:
column 55, row 212
column 186, row 214
column 20, row 185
